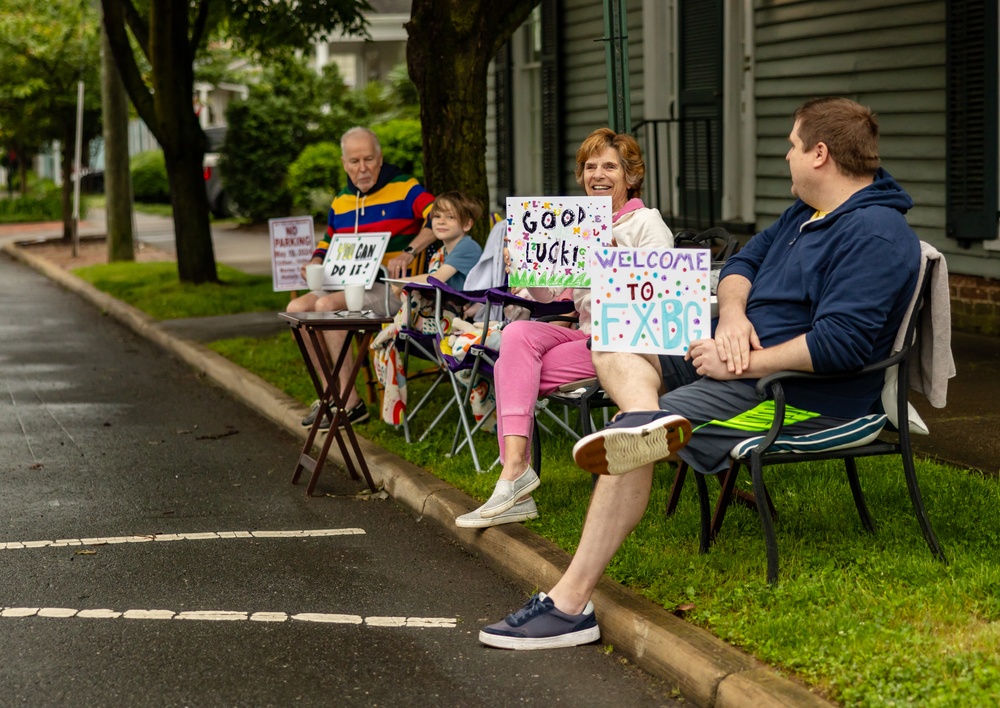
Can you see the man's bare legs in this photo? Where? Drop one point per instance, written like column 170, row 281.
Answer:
column 633, row 381
column 335, row 341
column 307, row 303
column 618, row 503
column 616, row 507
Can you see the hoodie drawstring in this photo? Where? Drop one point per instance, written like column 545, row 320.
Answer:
column 359, row 212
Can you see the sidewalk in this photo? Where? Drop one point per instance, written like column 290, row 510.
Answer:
column 707, row 670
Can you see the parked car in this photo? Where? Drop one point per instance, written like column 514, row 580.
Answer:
column 219, row 204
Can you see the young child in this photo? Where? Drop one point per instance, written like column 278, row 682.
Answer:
column 452, row 215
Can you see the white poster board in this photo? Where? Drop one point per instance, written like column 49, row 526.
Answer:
column 548, row 239
column 651, row 301
column 354, row 259
column 292, row 246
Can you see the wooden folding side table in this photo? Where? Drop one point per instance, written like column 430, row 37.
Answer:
column 308, row 327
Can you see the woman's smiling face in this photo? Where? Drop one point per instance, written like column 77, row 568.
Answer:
column 604, row 176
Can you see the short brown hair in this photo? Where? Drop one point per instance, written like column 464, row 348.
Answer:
column 465, row 207
column 848, row 129
column 628, row 152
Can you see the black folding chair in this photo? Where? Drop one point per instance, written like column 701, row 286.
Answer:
column 849, row 441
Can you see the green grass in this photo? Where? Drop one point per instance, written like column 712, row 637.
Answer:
column 867, row 620
column 155, row 289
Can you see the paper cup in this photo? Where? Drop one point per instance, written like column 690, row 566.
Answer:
column 314, row 276
column 355, row 297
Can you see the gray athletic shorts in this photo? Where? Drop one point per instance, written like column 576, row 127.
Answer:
column 724, row 413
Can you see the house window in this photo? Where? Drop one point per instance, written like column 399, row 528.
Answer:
column 973, row 133
column 527, row 76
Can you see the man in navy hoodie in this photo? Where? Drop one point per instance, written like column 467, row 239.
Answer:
column 823, row 289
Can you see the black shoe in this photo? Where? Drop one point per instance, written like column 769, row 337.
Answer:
column 311, row 416
column 358, row 414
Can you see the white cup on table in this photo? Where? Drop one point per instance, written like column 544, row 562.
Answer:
column 314, row 276
column 354, row 295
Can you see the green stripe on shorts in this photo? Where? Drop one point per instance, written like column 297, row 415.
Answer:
column 760, row 417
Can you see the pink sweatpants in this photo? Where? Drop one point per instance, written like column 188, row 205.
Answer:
column 536, row 358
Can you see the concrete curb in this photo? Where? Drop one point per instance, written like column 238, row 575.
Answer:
column 708, row 671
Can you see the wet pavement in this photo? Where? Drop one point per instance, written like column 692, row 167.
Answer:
column 155, row 553
column 963, row 433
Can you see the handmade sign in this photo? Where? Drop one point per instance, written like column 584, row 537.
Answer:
column 548, row 239
column 291, row 248
column 354, row 259
column 651, row 301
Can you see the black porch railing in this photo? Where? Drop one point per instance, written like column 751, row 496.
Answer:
column 683, row 170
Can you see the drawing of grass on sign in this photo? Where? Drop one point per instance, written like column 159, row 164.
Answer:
column 548, row 239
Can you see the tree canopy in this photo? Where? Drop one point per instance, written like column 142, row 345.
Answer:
column 451, row 45
column 45, row 50
column 168, row 35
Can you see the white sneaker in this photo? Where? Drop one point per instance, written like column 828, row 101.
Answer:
column 506, row 493
column 521, row 511
column 632, row 440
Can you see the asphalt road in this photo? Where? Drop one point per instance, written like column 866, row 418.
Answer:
column 138, row 565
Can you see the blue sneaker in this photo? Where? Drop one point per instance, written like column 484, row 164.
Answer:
column 539, row 625
column 632, row 440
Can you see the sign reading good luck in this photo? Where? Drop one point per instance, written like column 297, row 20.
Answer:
column 354, row 259
column 651, row 301
column 548, row 239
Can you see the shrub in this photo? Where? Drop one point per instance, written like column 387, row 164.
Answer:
column 402, row 145
column 149, row 177
column 315, row 177
column 47, row 207
column 264, row 131
column 43, row 202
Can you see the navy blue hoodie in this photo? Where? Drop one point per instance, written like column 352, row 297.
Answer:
column 844, row 281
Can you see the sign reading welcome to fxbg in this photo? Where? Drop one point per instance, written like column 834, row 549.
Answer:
column 548, row 239
column 650, row 301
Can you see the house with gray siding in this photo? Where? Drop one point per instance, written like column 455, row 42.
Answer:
column 713, row 84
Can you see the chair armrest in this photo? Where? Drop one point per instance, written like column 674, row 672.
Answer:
column 572, row 319
column 496, row 296
column 765, row 384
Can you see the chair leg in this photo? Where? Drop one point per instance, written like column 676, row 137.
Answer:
column 371, row 381
column 915, row 497
column 536, row 448
column 727, row 481
column 770, row 541
column 675, row 489
column 706, row 535
column 463, row 419
column 859, row 498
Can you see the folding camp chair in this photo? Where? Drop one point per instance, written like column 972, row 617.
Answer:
column 426, row 343
column 851, row 440
column 498, row 299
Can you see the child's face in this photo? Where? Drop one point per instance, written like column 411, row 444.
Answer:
column 446, row 224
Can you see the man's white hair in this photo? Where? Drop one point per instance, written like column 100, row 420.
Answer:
column 360, row 130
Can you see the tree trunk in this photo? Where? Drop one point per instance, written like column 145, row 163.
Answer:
column 448, row 55
column 192, row 231
column 169, row 114
column 183, row 141
column 117, row 179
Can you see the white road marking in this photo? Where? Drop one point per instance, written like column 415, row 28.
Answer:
column 229, row 616
column 202, row 536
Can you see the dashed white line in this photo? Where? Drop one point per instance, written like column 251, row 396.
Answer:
column 200, row 536
column 228, row 616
